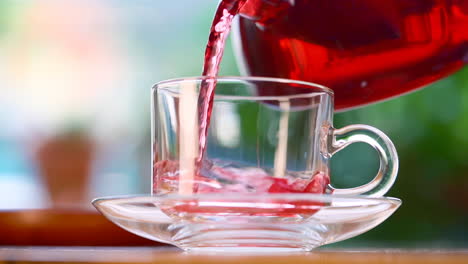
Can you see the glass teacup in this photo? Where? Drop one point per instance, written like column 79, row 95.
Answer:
column 262, row 139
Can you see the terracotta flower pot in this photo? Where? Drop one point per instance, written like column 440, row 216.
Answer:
column 65, row 164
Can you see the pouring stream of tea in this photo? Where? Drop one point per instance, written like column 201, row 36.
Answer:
column 219, row 32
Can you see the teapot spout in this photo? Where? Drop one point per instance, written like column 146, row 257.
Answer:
column 263, row 11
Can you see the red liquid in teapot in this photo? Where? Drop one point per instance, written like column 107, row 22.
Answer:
column 365, row 50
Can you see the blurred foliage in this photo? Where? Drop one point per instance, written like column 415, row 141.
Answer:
column 8, row 9
column 430, row 130
column 3, row 17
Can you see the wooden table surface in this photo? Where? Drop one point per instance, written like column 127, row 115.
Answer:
column 171, row 255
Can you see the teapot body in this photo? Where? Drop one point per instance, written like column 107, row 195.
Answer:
column 365, row 50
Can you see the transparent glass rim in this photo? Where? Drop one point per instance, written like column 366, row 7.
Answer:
column 253, row 197
column 323, row 89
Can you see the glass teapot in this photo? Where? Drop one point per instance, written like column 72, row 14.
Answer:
column 365, row 50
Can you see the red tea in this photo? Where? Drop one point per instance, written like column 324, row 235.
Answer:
column 248, row 182
column 221, row 177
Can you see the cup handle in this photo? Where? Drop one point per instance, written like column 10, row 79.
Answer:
column 388, row 170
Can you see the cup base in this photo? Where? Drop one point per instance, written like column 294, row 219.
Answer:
column 249, row 239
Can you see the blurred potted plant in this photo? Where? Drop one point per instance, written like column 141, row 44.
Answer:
column 64, row 163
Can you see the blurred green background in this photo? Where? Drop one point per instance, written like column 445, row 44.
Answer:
column 83, row 70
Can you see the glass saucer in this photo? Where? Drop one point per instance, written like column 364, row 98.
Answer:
column 240, row 222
